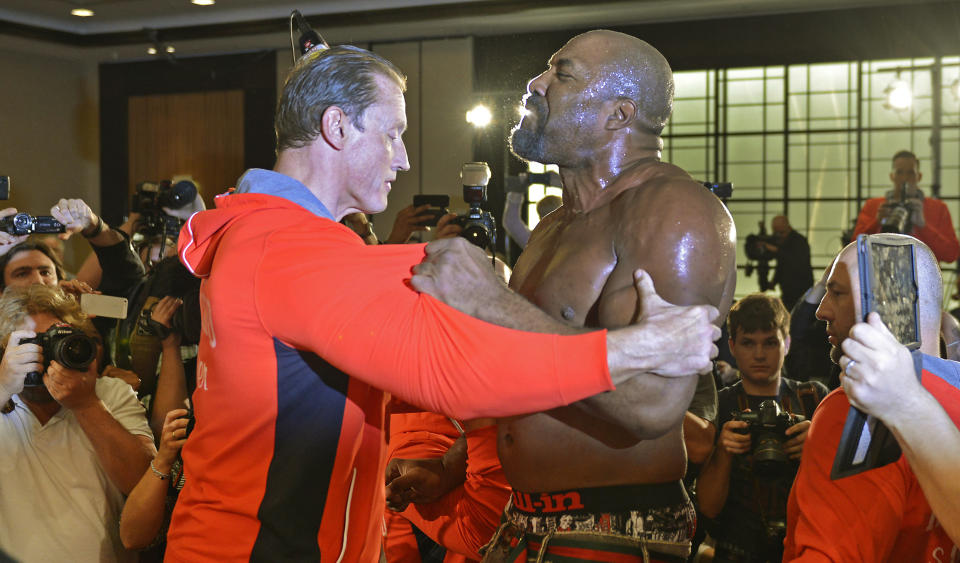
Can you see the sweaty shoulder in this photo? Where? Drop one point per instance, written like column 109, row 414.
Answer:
column 679, row 231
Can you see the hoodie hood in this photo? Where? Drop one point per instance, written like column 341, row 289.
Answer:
column 257, row 190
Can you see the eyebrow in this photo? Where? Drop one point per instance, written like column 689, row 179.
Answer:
column 834, row 285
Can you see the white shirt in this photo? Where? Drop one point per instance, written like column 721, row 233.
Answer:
column 56, row 501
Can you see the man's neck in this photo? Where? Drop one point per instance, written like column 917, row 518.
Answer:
column 771, row 388
column 309, row 170
column 596, row 184
column 44, row 411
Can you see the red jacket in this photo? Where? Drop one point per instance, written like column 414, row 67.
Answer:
column 938, row 232
column 305, row 331
column 878, row 515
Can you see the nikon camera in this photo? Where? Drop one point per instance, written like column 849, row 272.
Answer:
column 67, row 345
column 478, row 225
column 767, row 428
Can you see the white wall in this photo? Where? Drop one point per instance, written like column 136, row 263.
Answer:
column 49, row 133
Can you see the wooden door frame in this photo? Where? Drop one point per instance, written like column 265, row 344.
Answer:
column 253, row 73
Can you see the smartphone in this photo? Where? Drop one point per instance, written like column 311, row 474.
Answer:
column 104, row 305
column 438, row 206
column 4, row 188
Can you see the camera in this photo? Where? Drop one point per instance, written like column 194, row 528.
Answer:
column 897, row 219
column 478, row 226
column 756, row 250
column 149, row 199
column 767, row 428
column 26, row 224
column 65, row 344
column 723, row 190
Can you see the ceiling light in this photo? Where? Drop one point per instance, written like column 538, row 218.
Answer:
column 899, row 95
column 151, row 50
column 81, row 12
column 203, row 2
column 170, row 49
column 479, row 116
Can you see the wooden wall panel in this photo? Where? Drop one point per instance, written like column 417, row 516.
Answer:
column 198, row 134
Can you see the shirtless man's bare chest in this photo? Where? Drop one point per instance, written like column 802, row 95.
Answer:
column 578, row 267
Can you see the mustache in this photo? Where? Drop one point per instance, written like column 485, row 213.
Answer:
column 535, row 104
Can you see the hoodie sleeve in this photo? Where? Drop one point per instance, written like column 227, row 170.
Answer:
column 354, row 307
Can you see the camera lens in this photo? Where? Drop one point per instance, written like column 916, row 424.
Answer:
column 180, row 194
column 75, row 351
column 477, row 234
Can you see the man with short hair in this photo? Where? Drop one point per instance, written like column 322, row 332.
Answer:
column 905, row 210
column 747, row 504
column 306, row 330
column 880, row 514
column 614, row 461
column 70, row 449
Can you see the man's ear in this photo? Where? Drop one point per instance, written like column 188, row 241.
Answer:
column 786, row 345
column 333, row 127
column 622, row 114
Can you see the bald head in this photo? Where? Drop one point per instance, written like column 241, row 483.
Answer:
column 632, row 69
column 781, row 226
column 929, row 288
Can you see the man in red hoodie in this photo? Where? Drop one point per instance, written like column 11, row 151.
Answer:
column 306, row 332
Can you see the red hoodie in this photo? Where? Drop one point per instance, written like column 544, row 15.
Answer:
column 305, row 332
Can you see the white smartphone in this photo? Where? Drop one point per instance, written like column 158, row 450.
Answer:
column 104, row 305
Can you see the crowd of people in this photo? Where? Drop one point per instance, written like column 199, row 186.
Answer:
column 342, row 398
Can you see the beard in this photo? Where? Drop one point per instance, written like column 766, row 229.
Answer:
column 531, row 145
column 38, row 394
column 835, row 354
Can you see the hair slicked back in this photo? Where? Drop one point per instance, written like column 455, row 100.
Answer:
column 342, row 76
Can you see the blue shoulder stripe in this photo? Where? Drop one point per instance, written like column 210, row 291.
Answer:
column 946, row 370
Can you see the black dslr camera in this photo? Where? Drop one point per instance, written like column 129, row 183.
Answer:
column 150, row 199
column 897, row 219
column 26, row 224
column 478, row 225
column 65, row 344
column 767, row 428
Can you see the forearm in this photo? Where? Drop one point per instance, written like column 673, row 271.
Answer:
column 646, row 406
column 144, row 511
column 713, row 484
column 123, row 456
column 931, row 444
column 698, row 436
column 455, row 464
column 513, row 221
column 171, row 390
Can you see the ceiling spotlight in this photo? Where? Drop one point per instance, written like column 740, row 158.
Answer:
column 479, row 116
column 203, row 2
column 81, row 12
column 151, row 50
column 170, row 49
column 899, row 95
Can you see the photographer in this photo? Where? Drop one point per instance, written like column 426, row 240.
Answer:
column 71, row 447
column 794, row 274
column 905, row 210
column 881, row 514
column 744, row 486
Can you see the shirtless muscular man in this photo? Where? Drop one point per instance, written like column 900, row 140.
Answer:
column 605, row 470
